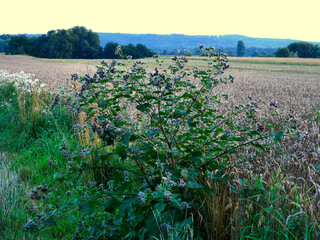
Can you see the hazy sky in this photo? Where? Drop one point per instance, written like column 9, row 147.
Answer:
column 255, row 18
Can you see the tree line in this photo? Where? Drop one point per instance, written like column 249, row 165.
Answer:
column 77, row 42
column 299, row 49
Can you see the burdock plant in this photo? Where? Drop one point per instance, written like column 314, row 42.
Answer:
column 159, row 142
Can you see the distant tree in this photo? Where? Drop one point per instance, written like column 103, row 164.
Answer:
column 19, row 45
column 188, row 54
column 77, row 42
column 86, row 43
column 283, row 52
column 196, row 51
column 109, row 50
column 241, row 49
column 130, row 49
column 142, row 51
column 138, row 51
column 230, row 53
column 40, row 46
column 3, row 45
column 255, row 54
column 294, row 54
column 305, row 49
column 4, row 42
column 5, row 36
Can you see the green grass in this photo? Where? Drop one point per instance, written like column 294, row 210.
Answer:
column 25, row 164
column 272, row 62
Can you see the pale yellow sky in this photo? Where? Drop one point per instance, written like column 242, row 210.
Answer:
column 255, row 18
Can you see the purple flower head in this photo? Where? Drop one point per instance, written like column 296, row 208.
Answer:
column 74, row 77
column 168, row 182
column 141, row 197
column 30, row 225
column 183, row 205
column 168, row 195
column 300, row 155
column 126, row 76
column 182, row 183
column 92, row 183
column 76, row 127
column 49, row 162
column 273, row 103
column 165, row 225
column 304, row 138
column 259, row 127
column 169, row 85
column 81, row 154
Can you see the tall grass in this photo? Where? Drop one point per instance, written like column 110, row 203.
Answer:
column 30, row 134
column 12, row 201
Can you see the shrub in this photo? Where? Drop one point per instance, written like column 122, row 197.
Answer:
column 158, row 150
column 282, row 52
column 187, row 54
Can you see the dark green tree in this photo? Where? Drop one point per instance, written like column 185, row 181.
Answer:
column 241, row 49
column 142, row 51
column 86, row 43
column 60, row 44
column 130, row 49
column 77, row 42
column 305, row 49
column 109, row 50
column 283, row 52
column 19, row 45
column 39, row 46
column 4, row 42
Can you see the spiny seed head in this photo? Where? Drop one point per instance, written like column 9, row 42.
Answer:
column 274, row 103
column 182, row 183
column 183, row 205
column 259, row 127
column 49, row 162
column 168, row 195
column 118, row 48
column 141, row 197
column 300, row 155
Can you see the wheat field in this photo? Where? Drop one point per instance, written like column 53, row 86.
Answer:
column 295, row 83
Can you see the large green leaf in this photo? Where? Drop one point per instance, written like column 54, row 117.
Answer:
column 143, row 107
column 125, row 139
column 278, row 135
column 193, row 184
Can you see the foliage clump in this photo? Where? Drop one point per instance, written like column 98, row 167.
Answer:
column 282, row 52
column 156, row 149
